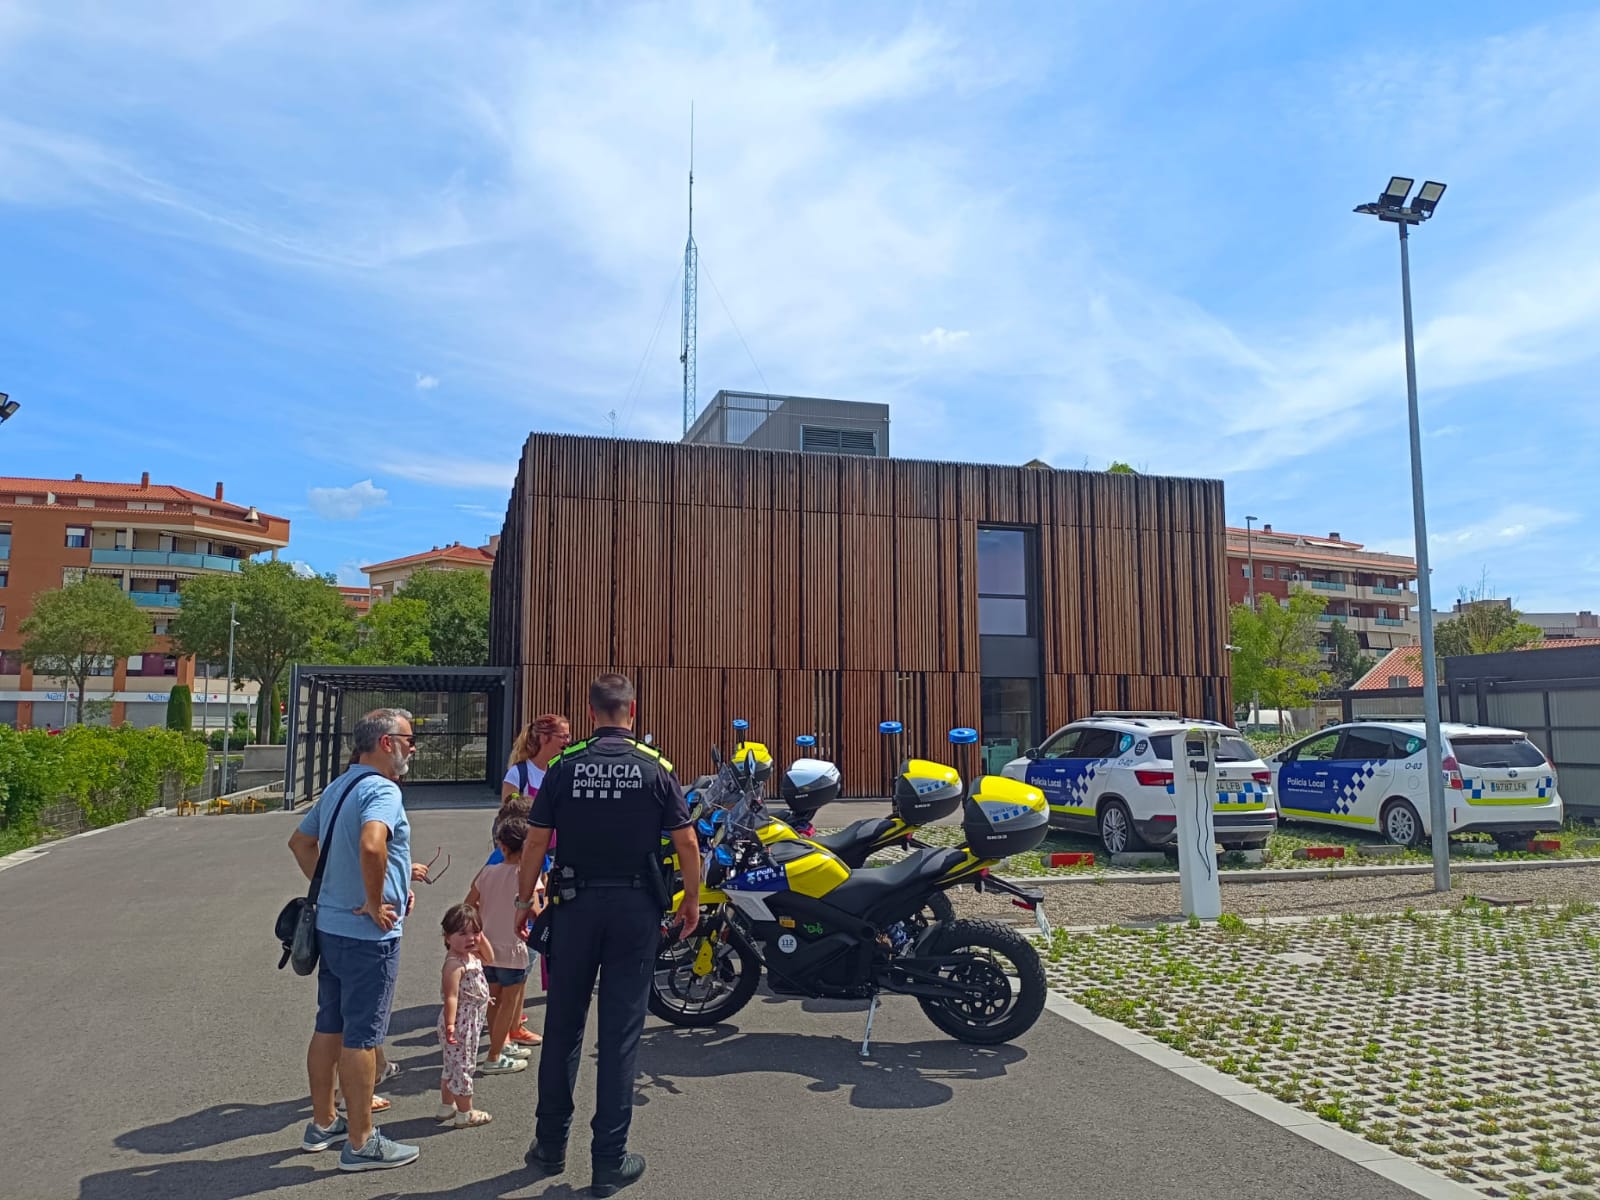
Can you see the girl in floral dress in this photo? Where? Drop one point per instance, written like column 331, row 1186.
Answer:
column 465, row 993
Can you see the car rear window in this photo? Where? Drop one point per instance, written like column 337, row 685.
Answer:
column 1229, row 749
column 1497, row 752
column 1235, row 749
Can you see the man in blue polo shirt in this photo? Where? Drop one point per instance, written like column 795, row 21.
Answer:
column 365, row 892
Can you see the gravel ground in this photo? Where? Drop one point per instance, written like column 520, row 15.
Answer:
column 1128, row 903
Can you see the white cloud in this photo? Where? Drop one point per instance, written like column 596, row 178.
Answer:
column 426, row 383
column 1508, row 526
column 303, row 569
column 455, row 472
column 346, row 503
column 349, row 574
column 941, row 338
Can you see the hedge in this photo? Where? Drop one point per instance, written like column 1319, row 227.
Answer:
column 112, row 774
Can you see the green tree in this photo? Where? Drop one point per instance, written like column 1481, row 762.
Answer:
column 394, row 633
column 1349, row 662
column 458, row 614
column 180, row 708
column 73, row 627
column 1483, row 626
column 1276, row 655
column 281, row 614
column 1120, row 468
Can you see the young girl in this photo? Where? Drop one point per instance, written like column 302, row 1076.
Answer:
column 465, row 993
column 494, row 894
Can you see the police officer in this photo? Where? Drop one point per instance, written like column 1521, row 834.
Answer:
column 607, row 800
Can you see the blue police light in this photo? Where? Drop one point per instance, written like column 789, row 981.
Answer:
column 963, row 736
column 890, row 727
column 740, row 723
column 805, row 739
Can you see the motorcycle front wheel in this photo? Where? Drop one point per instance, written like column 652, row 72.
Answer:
column 688, row 991
column 1006, row 978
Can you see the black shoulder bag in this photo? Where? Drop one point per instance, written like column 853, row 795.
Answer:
column 297, row 923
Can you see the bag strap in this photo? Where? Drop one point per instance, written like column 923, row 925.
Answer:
column 327, row 835
column 522, row 778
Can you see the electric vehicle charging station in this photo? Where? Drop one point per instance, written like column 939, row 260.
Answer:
column 1194, row 777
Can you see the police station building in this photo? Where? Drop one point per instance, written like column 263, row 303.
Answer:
column 778, row 566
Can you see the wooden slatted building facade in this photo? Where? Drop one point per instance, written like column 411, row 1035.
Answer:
column 814, row 593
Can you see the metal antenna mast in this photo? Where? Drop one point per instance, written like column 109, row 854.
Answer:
column 691, row 300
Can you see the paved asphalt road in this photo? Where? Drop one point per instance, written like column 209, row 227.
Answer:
column 150, row 1049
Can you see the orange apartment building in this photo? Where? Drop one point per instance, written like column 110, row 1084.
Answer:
column 386, row 578
column 147, row 537
column 1372, row 593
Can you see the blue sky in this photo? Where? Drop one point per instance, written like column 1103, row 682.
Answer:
column 345, row 256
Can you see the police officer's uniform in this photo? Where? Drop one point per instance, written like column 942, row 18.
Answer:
column 608, row 799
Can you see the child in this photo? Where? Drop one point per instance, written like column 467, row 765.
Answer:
column 465, row 993
column 521, row 806
column 494, row 894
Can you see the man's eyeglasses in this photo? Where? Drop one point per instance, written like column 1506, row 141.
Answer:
column 430, row 877
column 408, row 738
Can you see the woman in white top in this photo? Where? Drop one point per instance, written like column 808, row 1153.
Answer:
column 541, row 741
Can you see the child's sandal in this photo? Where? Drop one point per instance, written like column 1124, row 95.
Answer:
column 470, row 1119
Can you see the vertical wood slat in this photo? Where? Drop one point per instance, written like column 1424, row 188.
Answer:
column 848, row 583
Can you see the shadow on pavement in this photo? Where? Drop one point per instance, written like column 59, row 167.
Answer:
column 215, row 1125
column 898, row 1075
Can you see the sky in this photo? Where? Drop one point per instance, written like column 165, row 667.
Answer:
column 345, row 257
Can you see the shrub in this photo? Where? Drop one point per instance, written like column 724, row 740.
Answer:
column 111, row 774
column 180, row 709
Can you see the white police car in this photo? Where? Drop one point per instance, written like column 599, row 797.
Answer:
column 1111, row 775
column 1374, row 775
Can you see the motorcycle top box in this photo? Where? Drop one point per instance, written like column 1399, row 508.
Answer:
column 808, row 784
column 1003, row 817
column 926, row 791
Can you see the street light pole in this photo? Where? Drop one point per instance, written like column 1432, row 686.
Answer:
column 1250, row 592
column 1391, row 207
column 227, row 718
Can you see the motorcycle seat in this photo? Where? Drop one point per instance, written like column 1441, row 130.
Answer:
column 864, row 890
column 854, row 838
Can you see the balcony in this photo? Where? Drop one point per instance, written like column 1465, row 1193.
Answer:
column 1379, row 590
column 166, row 558
column 1326, row 585
column 156, row 599
column 1387, row 621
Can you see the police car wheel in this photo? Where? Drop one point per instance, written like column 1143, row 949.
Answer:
column 1117, row 834
column 1401, row 825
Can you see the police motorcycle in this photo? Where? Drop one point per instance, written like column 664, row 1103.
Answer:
column 819, row 929
column 922, row 792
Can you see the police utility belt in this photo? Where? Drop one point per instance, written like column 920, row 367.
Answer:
column 565, row 884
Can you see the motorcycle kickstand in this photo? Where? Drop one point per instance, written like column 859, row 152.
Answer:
column 866, row 1042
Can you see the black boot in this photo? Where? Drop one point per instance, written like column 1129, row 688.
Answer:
column 611, row 1174
column 547, row 1157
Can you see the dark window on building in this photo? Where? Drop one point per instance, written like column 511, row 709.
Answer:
column 5, row 579
column 1010, row 716
column 5, row 541
column 1268, row 571
column 77, row 537
column 819, row 439
column 1003, row 601
column 10, row 662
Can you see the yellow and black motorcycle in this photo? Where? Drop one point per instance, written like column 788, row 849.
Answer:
column 819, row 929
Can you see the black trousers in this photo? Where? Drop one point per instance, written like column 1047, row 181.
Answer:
column 613, row 932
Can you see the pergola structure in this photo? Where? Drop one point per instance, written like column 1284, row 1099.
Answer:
column 462, row 717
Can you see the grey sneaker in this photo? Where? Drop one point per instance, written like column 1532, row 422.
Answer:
column 378, row 1154
column 318, row 1139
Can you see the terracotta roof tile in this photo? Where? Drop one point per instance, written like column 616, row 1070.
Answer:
column 470, row 555
column 89, row 488
column 1407, row 661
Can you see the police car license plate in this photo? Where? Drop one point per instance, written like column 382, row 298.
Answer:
column 1230, row 785
column 1517, row 785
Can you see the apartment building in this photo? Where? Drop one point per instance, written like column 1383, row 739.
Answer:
column 386, row 578
column 148, row 538
column 1372, row 593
